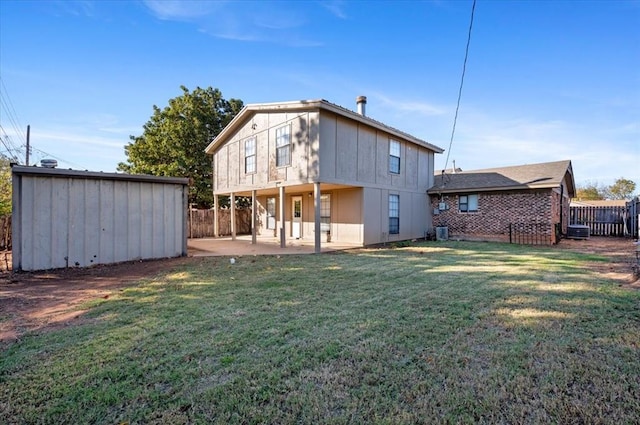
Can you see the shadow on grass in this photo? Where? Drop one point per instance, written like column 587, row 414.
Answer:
column 433, row 332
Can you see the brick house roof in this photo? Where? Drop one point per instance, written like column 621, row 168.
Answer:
column 544, row 175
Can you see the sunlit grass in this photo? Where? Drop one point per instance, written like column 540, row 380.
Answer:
column 429, row 333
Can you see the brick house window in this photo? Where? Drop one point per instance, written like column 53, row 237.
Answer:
column 250, row 156
column 468, row 203
column 394, row 156
column 283, row 146
column 394, row 214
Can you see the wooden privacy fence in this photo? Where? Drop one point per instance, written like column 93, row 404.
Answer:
column 602, row 221
column 5, row 233
column 201, row 222
column 532, row 233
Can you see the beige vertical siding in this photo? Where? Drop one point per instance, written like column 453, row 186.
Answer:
column 78, row 219
column 332, row 149
column 228, row 160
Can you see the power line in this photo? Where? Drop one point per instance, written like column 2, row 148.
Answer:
column 464, row 69
column 11, row 111
column 10, row 147
column 48, row 155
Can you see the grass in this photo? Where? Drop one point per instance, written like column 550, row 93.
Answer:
column 447, row 332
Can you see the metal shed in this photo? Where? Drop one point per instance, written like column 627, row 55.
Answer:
column 68, row 218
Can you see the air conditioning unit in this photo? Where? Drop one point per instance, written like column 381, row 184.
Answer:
column 578, row 231
column 442, row 233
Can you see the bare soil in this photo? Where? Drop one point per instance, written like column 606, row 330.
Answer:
column 52, row 299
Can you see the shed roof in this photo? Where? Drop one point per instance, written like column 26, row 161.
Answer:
column 301, row 105
column 544, row 175
column 95, row 175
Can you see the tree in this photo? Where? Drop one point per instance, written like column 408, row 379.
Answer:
column 174, row 140
column 589, row 192
column 622, row 189
column 5, row 186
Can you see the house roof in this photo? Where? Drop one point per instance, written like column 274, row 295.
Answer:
column 299, row 105
column 599, row 203
column 544, row 175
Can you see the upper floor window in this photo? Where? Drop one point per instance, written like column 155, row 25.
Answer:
column 250, row 155
column 394, row 156
column 394, row 214
column 468, row 203
column 283, row 146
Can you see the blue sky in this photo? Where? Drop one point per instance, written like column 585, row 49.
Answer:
column 545, row 81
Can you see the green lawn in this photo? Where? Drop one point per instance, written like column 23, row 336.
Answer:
column 431, row 333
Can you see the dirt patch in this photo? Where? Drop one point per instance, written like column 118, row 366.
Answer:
column 48, row 300
column 623, row 265
column 51, row 299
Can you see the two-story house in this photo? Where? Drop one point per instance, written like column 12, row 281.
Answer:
column 320, row 172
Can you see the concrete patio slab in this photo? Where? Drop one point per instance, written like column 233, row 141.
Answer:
column 225, row 246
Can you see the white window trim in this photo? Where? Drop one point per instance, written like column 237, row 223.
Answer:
column 392, row 152
column 279, row 137
column 397, row 212
column 468, row 203
column 254, row 155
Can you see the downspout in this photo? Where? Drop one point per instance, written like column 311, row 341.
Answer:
column 562, row 233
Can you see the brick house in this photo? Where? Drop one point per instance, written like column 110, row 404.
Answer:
column 492, row 204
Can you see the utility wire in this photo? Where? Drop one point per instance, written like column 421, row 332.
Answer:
column 464, row 69
column 11, row 149
column 48, row 155
column 11, row 111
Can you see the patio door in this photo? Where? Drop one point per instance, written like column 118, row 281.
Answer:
column 296, row 217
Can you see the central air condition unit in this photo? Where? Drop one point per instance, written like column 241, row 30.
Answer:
column 578, row 231
column 442, row 233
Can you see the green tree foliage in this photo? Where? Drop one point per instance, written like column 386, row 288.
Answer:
column 5, row 186
column 174, row 139
column 622, row 189
column 589, row 192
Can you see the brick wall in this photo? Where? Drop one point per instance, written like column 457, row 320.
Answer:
column 496, row 210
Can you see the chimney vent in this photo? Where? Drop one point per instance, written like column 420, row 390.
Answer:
column 361, row 101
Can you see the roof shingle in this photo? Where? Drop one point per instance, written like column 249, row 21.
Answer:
column 530, row 176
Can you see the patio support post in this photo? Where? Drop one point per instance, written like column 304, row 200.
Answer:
column 216, row 199
column 233, row 216
column 283, row 238
column 254, row 215
column 316, row 208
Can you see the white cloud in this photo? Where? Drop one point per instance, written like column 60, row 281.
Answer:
column 270, row 22
column 408, row 106
column 483, row 141
column 336, row 8
column 182, row 10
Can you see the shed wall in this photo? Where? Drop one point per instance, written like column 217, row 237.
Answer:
column 78, row 221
